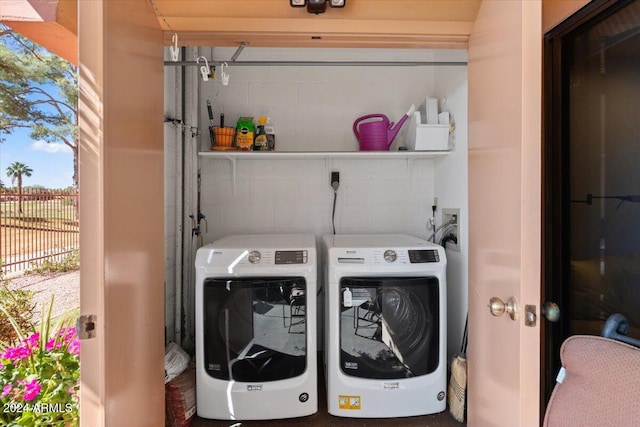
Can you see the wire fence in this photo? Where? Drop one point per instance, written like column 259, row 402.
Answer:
column 37, row 225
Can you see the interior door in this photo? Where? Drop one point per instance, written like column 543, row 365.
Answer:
column 504, row 211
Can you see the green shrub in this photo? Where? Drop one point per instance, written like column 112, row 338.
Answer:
column 3, row 280
column 71, row 262
column 19, row 306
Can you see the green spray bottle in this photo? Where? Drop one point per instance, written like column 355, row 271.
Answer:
column 260, row 143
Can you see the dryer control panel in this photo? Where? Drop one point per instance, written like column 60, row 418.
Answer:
column 373, row 256
column 278, row 257
column 423, row 255
column 390, row 256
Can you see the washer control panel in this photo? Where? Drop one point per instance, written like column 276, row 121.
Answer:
column 278, row 257
column 291, row 257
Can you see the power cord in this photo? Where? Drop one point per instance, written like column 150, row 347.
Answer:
column 335, row 184
column 433, row 220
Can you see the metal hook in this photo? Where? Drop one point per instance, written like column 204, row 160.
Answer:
column 175, row 52
column 204, row 70
column 224, row 76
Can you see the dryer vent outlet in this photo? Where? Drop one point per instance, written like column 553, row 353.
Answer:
column 452, row 243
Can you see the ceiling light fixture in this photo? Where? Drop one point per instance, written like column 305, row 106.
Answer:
column 317, row 6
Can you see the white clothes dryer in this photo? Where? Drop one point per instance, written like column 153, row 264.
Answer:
column 256, row 327
column 385, row 326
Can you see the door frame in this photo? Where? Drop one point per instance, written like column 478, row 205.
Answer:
column 121, row 213
column 555, row 175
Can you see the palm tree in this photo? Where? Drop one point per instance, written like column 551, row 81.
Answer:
column 15, row 171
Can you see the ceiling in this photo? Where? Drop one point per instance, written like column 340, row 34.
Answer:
column 361, row 23
column 267, row 23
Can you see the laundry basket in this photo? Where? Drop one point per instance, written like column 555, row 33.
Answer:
column 222, row 138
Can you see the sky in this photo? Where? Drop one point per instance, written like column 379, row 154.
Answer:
column 52, row 163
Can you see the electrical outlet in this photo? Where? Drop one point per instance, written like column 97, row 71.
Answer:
column 449, row 214
column 335, row 180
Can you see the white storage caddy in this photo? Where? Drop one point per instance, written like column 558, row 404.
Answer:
column 424, row 137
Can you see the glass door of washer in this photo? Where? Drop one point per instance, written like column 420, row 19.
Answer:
column 255, row 328
column 389, row 327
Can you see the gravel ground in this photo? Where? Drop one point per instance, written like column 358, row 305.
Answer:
column 65, row 287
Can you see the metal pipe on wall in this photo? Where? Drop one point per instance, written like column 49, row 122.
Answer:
column 179, row 193
column 321, row 63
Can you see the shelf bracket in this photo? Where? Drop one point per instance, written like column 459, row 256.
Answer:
column 234, row 164
column 238, row 51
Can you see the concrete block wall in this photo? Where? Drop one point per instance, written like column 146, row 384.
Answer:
column 313, row 109
column 294, row 196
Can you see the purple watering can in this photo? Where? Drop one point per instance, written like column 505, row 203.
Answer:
column 378, row 135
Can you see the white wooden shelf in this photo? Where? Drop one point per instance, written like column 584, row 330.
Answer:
column 278, row 155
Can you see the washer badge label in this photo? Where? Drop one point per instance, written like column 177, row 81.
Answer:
column 349, row 402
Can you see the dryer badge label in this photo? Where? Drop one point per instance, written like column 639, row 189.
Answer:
column 349, row 402
column 351, row 365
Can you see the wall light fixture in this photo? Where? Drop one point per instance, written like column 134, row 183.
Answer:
column 317, row 6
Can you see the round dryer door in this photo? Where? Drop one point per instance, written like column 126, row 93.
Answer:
column 389, row 327
column 255, row 329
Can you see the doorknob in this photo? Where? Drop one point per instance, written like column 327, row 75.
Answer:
column 499, row 307
column 550, row 311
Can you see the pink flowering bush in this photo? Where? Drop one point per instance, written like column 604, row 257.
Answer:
column 40, row 377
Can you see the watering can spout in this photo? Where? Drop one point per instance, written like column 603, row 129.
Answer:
column 393, row 130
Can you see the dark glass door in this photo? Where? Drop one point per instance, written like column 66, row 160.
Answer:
column 389, row 327
column 592, row 144
column 604, row 174
column 255, row 328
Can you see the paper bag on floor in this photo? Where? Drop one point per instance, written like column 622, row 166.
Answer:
column 458, row 388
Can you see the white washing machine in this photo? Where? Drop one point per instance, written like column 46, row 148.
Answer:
column 256, row 327
column 385, row 326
